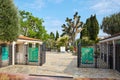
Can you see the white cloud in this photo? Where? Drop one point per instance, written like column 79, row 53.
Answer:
column 106, row 6
column 36, row 4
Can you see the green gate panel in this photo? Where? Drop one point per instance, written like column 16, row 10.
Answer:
column 87, row 55
column 4, row 53
column 33, row 54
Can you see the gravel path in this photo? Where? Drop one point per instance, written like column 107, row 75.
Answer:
column 62, row 64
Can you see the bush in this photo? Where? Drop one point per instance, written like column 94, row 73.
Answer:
column 71, row 48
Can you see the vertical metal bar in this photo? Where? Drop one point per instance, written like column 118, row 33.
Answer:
column 107, row 54
column 26, row 53
column 41, row 55
column 0, row 55
column 79, row 55
column 114, row 55
column 79, row 52
column 10, row 54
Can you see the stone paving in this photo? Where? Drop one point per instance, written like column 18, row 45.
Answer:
column 62, row 64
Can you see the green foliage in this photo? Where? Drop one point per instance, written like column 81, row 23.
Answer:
column 9, row 21
column 62, row 41
column 52, row 36
column 72, row 27
column 91, row 28
column 32, row 26
column 50, row 43
column 111, row 24
column 71, row 48
column 57, row 35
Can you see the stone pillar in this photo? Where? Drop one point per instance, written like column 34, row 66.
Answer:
column 26, row 52
column 107, row 53
column 13, row 53
column 113, row 54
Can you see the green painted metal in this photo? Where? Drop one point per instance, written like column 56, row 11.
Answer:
column 87, row 55
column 118, row 41
column 5, row 53
column 33, row 54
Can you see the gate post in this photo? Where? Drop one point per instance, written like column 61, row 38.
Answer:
column 96, row 61
column 96, row 55
column 0, row 55
column 79, row 55
column 10, row 54
column 41, row 52
column 44, row 54
column 26, row 53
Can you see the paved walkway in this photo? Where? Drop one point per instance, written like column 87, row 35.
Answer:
column 62, row 64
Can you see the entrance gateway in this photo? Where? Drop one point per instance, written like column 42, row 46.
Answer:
column 19, row 52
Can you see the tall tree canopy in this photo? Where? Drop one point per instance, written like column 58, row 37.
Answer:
column 52, row 35
column 91, row 28
column 32, row 26
column 9, row 21
column 111, row 24
column 72, row 27
column 57, row 35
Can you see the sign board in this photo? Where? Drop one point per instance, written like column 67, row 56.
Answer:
column 87, row 55
column 62, row 49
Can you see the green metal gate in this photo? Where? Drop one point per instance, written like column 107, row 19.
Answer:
column 87, row 55
column 33, row 54
column 4, row 53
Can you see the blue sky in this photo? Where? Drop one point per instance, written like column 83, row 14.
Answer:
column 54, row 12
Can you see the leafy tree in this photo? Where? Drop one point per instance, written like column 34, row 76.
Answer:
column 9, row 21
column 57, row 35
column 25, row 23
column 62, row 41
column 52, row 36
column 32, row 26
column 91, row 29
column 111, row 24
column 50, row 43
column 72, row 27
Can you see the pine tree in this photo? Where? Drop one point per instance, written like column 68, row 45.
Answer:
column 111, row 24
column 91, row 28
column 52, row 36
column 57, row 35
column 9, row 21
